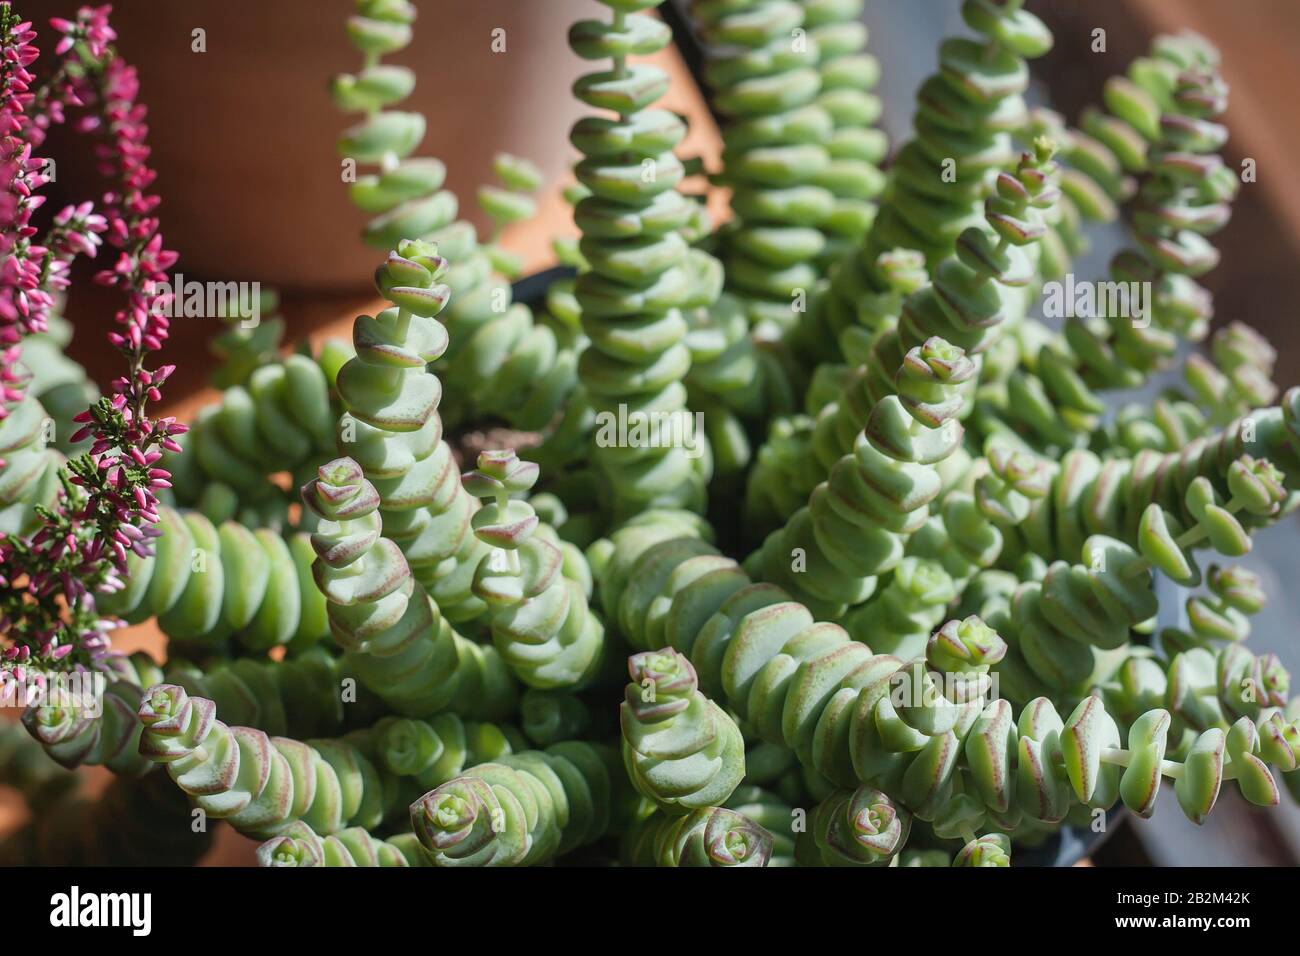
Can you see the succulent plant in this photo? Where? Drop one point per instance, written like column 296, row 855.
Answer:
column 876, row 551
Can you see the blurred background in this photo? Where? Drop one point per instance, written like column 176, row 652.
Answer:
column 243, row 140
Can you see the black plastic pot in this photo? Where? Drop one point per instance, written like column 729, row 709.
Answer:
column 1070, row 845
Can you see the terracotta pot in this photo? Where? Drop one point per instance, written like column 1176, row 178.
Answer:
column 243, row 134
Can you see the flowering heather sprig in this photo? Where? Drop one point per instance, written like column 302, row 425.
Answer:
column 34, row 269
column 107, row 507
column 66, row 86
column 117, row 474
column 91, row 27
column 20, row 176
column 110, row 89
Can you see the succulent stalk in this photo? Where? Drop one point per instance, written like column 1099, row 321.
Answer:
column 971, row 301
column 763, row 70
column 207, row 583
column 400, row 646
column 680, row 749
column 540, row 621
column 259, row 784
column 300, row 846
column 966, row 115
column 707, row 837
column 640, row 273
column 856, row 523
column 520, row 811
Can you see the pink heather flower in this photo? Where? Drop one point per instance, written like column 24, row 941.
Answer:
column 90, row 27
column 84, row 543
column 34, row 270
column 22, row 304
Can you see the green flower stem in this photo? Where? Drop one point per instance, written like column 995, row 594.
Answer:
column 1119, row 757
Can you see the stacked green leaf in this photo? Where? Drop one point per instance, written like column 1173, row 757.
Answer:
column 391, row 427
column 535, row 586
column 967, row 114
column 641, row 271
column 521, row 811
column 401, row 648
column 206, row 583
column 856, row 148
column 766, row 85
column 1162, row 122
column 972, row 299
column 259, row 784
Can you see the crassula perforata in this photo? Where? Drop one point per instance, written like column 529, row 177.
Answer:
column 808, row 545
